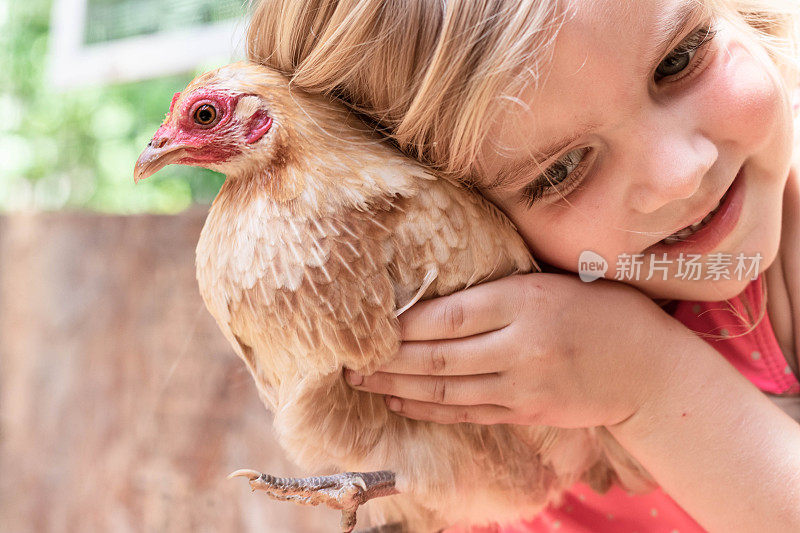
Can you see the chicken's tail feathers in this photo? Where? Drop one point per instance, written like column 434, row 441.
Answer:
column 617, row 466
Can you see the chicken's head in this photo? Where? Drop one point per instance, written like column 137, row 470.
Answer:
column 223, row 121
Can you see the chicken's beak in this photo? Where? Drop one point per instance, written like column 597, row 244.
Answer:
column 158, row 154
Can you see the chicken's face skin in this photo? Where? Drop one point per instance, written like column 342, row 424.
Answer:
column 213, row 127
column 271, row 140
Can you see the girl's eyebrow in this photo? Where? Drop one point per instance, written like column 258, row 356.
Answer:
column 670, row 25
column 508, row 175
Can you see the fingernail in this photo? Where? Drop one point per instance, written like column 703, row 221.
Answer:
column 394, row 404
column 353, row 378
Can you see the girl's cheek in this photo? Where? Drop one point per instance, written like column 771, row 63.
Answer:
column 743, row 100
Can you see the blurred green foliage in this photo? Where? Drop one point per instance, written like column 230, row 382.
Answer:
column 76, row 149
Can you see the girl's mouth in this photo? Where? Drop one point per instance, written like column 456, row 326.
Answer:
column 703, row 236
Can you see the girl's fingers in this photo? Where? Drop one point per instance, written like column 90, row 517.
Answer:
column 478, row 309
column 454, row 357
column 450, row 414
column 458, row 390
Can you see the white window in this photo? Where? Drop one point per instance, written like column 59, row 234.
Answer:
column 106, row 41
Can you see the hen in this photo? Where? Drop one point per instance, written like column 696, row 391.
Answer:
column 321, row 235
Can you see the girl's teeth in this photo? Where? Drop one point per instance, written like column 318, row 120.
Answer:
column 682, row 234
column 703, row 222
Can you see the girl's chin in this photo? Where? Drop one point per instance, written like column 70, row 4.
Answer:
column 764, row 237
column 702, row 286
column 693, row 290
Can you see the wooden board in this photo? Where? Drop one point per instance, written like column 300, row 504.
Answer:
column 122, row 408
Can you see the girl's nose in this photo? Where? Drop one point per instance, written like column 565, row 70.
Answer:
column 673, row 162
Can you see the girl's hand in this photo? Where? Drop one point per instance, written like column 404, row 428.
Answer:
column 528, row 349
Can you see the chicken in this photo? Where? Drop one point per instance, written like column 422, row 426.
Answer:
column 321, row 235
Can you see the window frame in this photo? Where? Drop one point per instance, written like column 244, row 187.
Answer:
column 72, row 63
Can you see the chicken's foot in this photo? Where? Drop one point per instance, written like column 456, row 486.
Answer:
column 345, row 491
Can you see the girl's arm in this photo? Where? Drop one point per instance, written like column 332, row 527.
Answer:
column 717, row 445
column 710, row 420
column 550, row 349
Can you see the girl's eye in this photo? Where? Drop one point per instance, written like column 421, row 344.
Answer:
column 681, row 57
column 568, row 168
column 554, row 177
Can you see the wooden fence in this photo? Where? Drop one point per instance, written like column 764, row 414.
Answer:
column 122, row 408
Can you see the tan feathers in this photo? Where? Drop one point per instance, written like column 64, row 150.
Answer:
column 312, row 245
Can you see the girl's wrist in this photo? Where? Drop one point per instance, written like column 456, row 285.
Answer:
column 676, row 354
column 712, row 440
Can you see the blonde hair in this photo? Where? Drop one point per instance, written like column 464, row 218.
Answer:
column 425, row 72
column 430, row 74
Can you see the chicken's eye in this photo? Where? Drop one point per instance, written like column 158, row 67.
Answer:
column 205, row 115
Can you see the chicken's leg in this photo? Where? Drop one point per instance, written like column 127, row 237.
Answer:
column 345, row 491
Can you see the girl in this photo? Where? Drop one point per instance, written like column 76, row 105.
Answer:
column 635, row 139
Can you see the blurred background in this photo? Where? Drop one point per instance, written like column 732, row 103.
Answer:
column 122, row 408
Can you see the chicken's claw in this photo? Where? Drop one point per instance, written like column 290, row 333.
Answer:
column 252, row 475
column 345, row 491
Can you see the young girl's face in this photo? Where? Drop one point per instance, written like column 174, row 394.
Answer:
column 647, row 114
